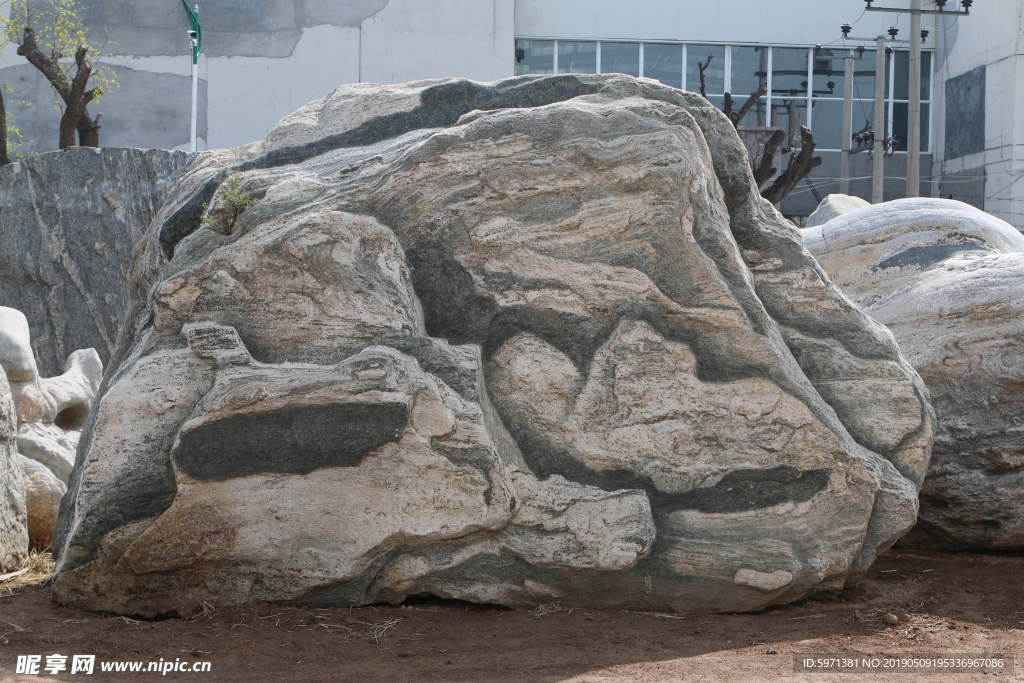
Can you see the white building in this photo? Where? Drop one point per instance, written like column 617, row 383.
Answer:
column 263, row 59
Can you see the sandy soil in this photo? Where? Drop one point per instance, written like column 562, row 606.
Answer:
column 940, row 603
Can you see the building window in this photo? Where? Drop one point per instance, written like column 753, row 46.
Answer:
column 805, row 87
column 535, row 57
column 749, row 71
column 620, row 58
column 664, row 62
column 577, row 57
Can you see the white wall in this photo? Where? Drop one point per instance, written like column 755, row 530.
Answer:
column 408, row 40
column 800, row 22
column 993, row 37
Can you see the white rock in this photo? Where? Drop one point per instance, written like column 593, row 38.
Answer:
column 51, row 413
column 948, row 280
column 832, row 206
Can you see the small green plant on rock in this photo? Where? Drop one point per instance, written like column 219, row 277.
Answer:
column 234, row 202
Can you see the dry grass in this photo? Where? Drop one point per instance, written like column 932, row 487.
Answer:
column 38, row 570
column 545, row 609
column 40, row 566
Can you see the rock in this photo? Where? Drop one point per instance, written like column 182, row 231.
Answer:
column 834, row 205
column 948, row 280
column 531, row 341
column 13, row 522
column 43, row 492
column 890, row 618
column 69, row 222
column 51, row 413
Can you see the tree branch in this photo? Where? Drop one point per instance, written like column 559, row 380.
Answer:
column 702, row 68
column 764, row 169
column 761, row 91
column 29, row 49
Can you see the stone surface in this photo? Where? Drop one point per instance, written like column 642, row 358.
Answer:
column 69, row 223
column 516, row 342
column 51, row 413
column 948, row 280
column 832, row 206
column 13, row 522
column 43, row 491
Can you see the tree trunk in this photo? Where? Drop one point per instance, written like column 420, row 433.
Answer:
column 74, row 93
column 764, row 168
column 4, row 158
column 799, row 166
column 75, row 119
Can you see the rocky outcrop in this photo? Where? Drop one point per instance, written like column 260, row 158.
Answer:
column 515, row 342
column 13, row 523
column 832, row 206
column 948, row 280
column 51, row 413
column 69, row 223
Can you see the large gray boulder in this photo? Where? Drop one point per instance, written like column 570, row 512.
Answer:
column 13, row 521
column 69, row 223
column 517, row 342
column 948, row 280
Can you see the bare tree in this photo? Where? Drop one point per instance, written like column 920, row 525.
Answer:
column 800, row 163
column 702, row 68
column 45, row 31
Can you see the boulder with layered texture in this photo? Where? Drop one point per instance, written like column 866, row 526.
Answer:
column 517, row 342
column 948, row 280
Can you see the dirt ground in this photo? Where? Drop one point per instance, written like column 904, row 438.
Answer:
column 946, row 604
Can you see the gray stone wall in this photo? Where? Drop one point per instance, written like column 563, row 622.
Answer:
column 69, row 222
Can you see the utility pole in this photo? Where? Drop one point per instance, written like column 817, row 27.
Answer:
column 878, row 146
column 914, row 84
column 195, row 38
column 914, row 107
column 844, row 172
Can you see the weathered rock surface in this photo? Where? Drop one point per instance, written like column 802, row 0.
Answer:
column 948, row 280
column 515, row 342
column 43, row 491
column 13, row 522
column 69, row 223
column 51, row 413
column 832, row 206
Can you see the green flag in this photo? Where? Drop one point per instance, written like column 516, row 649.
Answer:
column 193, row 20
